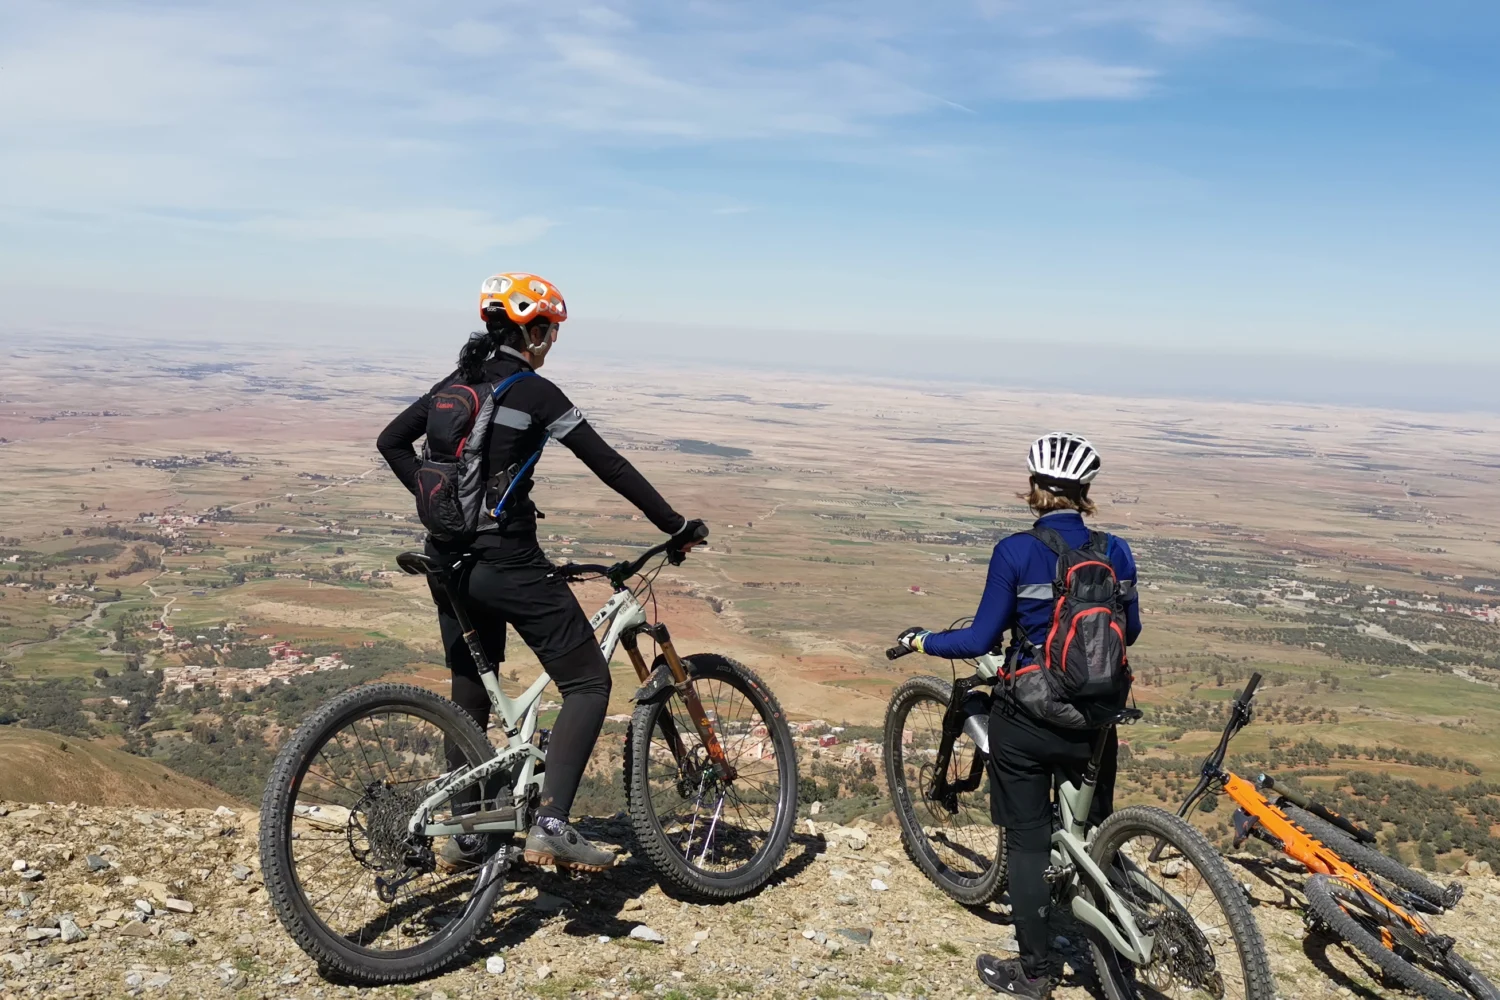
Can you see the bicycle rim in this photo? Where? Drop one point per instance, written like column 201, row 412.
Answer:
column 358, row 871
column 1206, row 944
column 957, row 836
column 716, row 828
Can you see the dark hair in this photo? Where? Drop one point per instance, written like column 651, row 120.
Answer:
column 499, row 332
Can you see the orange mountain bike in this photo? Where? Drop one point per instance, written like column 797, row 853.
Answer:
column 1363, row 896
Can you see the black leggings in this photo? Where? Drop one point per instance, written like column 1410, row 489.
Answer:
column 1026, row 758
column 515, row 586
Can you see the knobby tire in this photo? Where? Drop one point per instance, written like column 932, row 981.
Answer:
column 970, row 891
column 1249, row 946
column 657, row 844
column 332, row 951
column 1323, row 900
column 1368, row 860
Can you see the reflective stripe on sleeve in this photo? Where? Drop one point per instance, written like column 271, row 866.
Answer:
column 507, row 416
column 565, row 424
column 1036, row 591
column 1127, row 589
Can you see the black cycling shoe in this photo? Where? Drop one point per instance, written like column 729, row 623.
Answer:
column 461, row 852
column 566, row 849
column 1007, row 976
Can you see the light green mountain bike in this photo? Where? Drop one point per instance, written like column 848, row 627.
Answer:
column 1163, row 914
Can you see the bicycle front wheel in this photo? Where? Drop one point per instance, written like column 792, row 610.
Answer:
column 358, row 892
column 1168, row 876
column 953, row 841
column 712, row 837
column 1431, row 968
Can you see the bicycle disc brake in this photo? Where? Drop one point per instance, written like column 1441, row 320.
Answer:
column 1185, row 952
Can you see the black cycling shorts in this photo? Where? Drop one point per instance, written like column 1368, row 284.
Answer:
column 513, row 584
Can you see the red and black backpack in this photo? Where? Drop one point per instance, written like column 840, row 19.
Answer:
column 1081, row 672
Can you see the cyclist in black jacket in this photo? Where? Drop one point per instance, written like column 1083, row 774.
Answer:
column 512, row 580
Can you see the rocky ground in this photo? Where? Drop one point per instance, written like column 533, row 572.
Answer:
column 114, row 902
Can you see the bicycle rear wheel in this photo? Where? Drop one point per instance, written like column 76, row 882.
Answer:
column 1206, row 941
column 1431, row 968
column 955, row 842
column 1370, row 861
column 356, row 891
column 713, row 838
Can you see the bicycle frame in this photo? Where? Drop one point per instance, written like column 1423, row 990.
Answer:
column 627, row 621
column 1070, row 853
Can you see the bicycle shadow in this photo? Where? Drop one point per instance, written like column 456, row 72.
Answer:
column 1316, row 945
column 595, row 904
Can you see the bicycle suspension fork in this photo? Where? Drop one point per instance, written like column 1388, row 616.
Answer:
column 684, row 685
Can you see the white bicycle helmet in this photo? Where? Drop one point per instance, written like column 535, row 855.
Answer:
column 1061, row 461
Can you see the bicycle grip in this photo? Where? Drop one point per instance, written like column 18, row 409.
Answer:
column 896, row 652
column 1249, row 691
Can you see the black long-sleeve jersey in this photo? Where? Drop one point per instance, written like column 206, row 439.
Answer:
column 531, row 410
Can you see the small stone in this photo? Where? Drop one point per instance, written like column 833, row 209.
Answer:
column 844, row 899
column 812, row 828
column 604, row 939
column 640, row 932
column 70, row 931
column 858, row 840
column 878, row 885
column 134, row 980
column 809, row 934
column 838, row 874
column 859, row 935
column 238, row 981
column 96, row 863
column 542, row 972
column 145, row 819
column 178, row 905
column 144, row 907
column 136, row 929
column 700, row 936
column 225, row 812
column 130, row 880
column 18, row 865
column 438, row 995
column 881, row 871
column 1173, row 868
column 32, row 875
column 240, row 872
column 691, row 948
column 181, row 937
column 158, row 981
column 815, row 808
column 820, row 937
column 633, row 905
column 26, row 898
column 42, row 933
column 495, row 965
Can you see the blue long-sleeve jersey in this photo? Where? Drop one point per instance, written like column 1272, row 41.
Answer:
column 1018, row 590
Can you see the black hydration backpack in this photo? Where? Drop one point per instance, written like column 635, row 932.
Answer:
column 452, row 487
column 1080, row 675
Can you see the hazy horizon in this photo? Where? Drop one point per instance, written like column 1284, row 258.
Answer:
column 430, row 339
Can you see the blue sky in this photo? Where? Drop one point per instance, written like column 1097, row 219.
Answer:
column 1176, row 174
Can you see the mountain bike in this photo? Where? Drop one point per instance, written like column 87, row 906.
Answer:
column 367, row 794
column 1370, row 900
column 1159, row 906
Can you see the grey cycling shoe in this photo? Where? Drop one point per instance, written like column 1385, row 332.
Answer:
column 566, row 849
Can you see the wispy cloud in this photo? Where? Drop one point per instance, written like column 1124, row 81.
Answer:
column 1062, row 78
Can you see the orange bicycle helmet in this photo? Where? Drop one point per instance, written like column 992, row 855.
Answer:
column 524, row 297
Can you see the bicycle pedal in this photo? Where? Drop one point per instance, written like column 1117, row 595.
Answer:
column 1054, row 874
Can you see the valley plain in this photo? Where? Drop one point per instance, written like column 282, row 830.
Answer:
column 217, row 507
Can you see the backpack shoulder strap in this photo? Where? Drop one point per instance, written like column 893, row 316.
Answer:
column 1098, row 545
column 508, row 381
column 1051, row 539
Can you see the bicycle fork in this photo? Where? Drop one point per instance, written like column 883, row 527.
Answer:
column 684, row 685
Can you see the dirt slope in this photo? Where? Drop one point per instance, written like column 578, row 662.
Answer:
column 44, row 767
column 558, row 937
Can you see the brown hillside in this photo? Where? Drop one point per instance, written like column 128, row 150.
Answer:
column 36, row 767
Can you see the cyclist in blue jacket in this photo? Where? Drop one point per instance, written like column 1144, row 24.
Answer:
column 1027, row 753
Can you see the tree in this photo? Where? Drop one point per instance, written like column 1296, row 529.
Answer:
column 1428, row 856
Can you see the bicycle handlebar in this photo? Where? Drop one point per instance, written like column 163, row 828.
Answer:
column 896, row 652
column 675, row 547
column 1249, row 692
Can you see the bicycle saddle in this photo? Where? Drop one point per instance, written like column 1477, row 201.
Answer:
column 417, row 563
